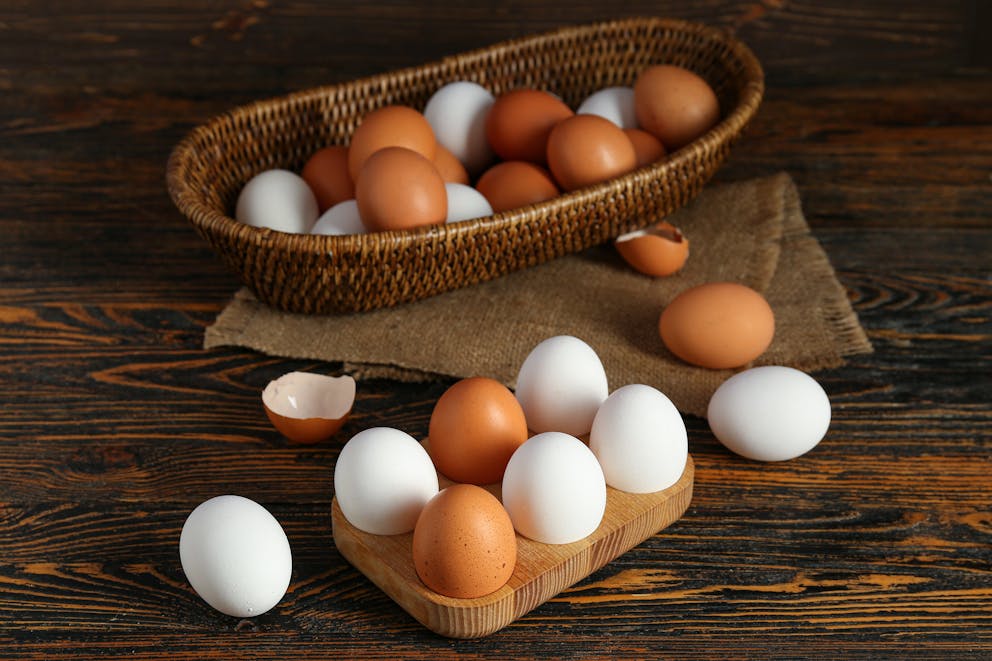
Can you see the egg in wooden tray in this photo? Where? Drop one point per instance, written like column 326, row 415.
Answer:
column 532, row 512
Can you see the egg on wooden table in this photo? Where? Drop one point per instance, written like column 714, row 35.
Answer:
column 236, row 556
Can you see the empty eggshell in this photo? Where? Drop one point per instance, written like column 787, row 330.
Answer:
column 236, row 556
column 307, row 407
column 561, row 385
column 382, row 480
column 279, row 200
column 554, row 489
column 613, row 103
column 659, row 250
column 640, row 440
column 770, row 413
column 342, row 218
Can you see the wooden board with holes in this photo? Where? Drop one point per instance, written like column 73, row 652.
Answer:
column 542, row 571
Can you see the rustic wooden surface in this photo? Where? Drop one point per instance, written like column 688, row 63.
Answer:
column 115, row 423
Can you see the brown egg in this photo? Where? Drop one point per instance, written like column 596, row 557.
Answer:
column 306, row 407
column 647, row 147
column 658, row 250
column 464, row 545
column 399, row 189
column 475, row 426
column 391, row 126
column 587, row 149
column 519, row 122
column 449, row 167
column 516, row 184
column 674, row 105
column 326, row 172
column 719, row 325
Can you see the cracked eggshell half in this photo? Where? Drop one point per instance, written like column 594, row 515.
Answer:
column 306, row 407
column 659, row 250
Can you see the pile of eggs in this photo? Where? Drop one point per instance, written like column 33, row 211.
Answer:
column 550, row 450
column 552, row 485
column 404, row 168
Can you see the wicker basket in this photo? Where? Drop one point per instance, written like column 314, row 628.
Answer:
column 333, row 274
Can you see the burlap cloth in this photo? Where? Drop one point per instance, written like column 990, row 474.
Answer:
column 752, row 232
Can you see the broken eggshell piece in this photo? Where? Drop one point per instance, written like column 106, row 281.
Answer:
column 307, row 408
column 658, row 250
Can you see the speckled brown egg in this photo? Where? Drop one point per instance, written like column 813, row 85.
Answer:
column 514, row 184
column 674, row 105
column 475, row 427
column 400, row 189
column 720, row 325
column 464, row 545
column 587, row 149
column 519, row 122
column 390, row 126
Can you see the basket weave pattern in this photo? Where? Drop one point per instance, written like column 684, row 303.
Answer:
column 334, row 274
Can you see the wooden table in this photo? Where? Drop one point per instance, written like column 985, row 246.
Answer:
column 115, row 422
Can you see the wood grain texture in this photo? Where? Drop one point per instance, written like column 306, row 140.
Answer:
column 114, row 423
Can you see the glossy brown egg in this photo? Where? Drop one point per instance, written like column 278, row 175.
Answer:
column 390, row 126
column 449, row 167
column 475, row 427
column 587, row 149
column 464, row 545
column 658, row 251
column 515, row 184
column 647, row 148
column 326, row 172
column 519, row 122
column 674, row 105
column 719, row 325
column 399, row 189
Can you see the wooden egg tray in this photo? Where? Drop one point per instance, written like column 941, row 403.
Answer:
column 542, row 570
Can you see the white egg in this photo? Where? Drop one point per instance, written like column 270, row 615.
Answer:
column 769, row 413
column 457, row 113
column 554, row 490
column 342, row 218
column 561, row 385
column 236, row 556
column 613, row 103
column 465, row 203
column 382, row 480
column 640, row 440
column 278, row 199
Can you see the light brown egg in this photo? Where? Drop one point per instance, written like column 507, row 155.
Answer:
column 719, row 325
column 519, row 122
column 326, row 172
column 390, row 126
column 475, row 427
column 464, row 545
column 399, row 189
column 674, row 105
column 307, row 407
column 587, row 149
column 647, row 147
column 449, row 167
column 658, row 250
column 515, row 184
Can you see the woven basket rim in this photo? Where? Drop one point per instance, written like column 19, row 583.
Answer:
column 201, row 214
